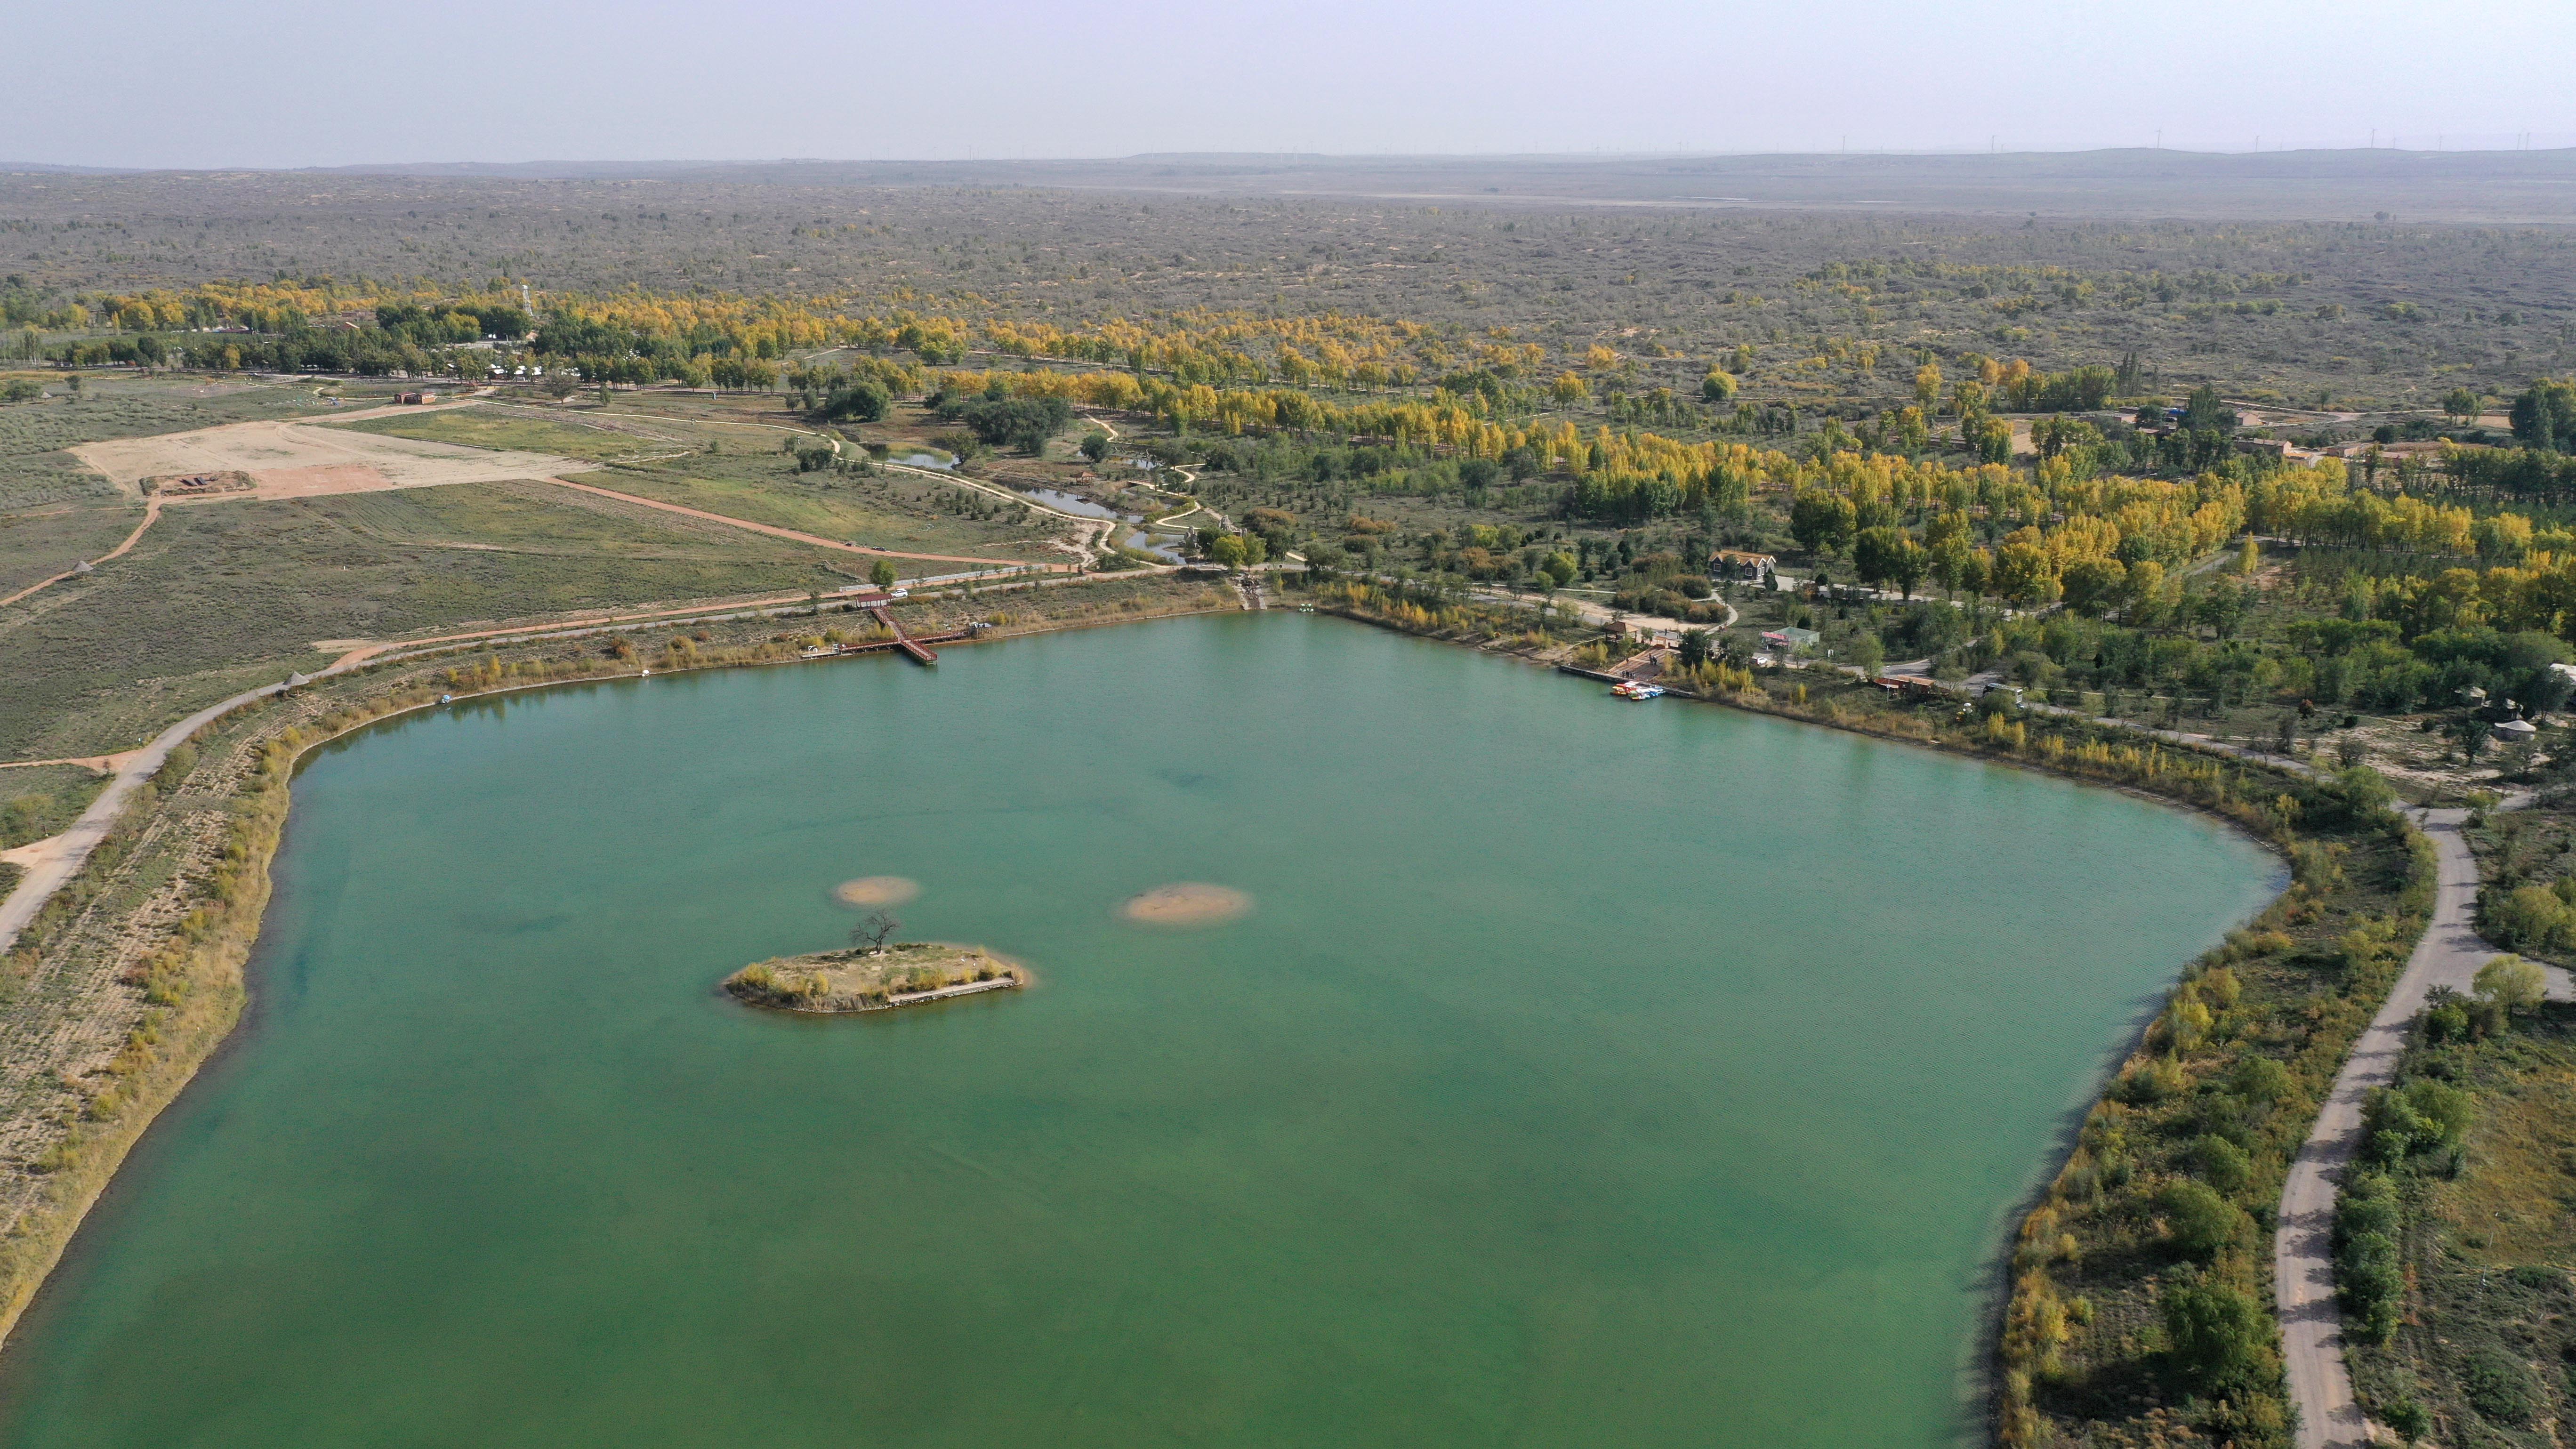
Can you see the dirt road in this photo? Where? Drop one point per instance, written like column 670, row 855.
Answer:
column 151, row 511
column 2302, row 1248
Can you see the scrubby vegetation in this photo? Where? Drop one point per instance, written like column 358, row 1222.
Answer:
column 866, row 978
column 2453, row 1248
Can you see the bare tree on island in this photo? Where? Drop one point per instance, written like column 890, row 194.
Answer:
column 874, row 932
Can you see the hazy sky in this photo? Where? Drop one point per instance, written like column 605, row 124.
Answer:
column 256, row 83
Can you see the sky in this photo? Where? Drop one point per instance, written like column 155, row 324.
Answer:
column 255, row 83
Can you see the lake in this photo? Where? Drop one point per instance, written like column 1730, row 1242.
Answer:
column 1587, row 1072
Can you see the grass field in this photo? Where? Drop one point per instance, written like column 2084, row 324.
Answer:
column 55, row 512
column 721, row 462
column 221, row 597
column 510, row 428
column 2485, row 1347
column 113, row 405
column 898, row 511
column 38, row 543
column 44, row 800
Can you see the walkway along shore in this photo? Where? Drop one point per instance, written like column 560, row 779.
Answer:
column 2303, row 1244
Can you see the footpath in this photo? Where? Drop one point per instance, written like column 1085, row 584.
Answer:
column 2303, row 1243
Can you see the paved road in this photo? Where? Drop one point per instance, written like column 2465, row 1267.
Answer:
column 2302, row 1248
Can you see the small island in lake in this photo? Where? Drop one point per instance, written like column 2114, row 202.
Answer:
column 874, row 979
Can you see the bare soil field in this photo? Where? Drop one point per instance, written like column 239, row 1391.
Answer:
column 300, row 460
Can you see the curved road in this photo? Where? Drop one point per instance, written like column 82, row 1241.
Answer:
column 2302, row 1246
column 68, row 850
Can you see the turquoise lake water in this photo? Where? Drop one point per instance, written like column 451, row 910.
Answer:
column 1589, row 1073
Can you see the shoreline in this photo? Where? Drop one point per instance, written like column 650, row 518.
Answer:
column 1997, row 1375
column 65, row 1222
column 219, row 983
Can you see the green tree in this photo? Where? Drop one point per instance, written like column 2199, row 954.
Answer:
column 2544, row 417
column 854, row 402
column 2094, row 585
column 2203, row 411
column 2462, row 403
column 1822, row 521
column 1695, row 648
column 2201, row 1222
column 2222, row 1164
column 1228, row 550
column 2512, row 983
column 1874, row 555
column 1717, row 387
column 1095, row 446
column 2217, row 1337
column 1907, row 566
column 881, row 573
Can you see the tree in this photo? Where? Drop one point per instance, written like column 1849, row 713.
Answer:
column 2094, row 585
column 881, row 573
column 2024, row 574
column 1927, row 387
column 873, row 933
column 2217, row 1336
column 1695, row 648
column 2462, row 403
column 1822, row 522
column 854, row 402
column 1911, row 562
column 1570, row 390
column 1228, row 550
column 2202, row 1223
column 2512, row 983
column 2204, row 412
column 2544, row 417
column 1874, row 555
column 1095, row 446
column 1717, row 387
column 2473, row 734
